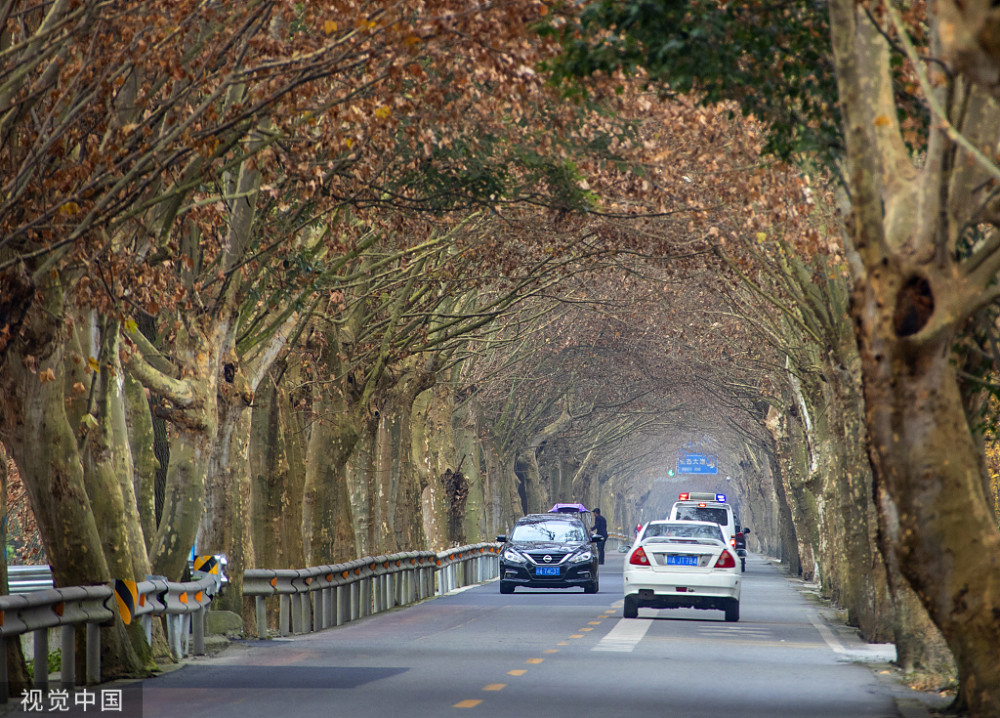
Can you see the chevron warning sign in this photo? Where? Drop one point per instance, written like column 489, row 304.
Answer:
column 127, row 596
column 208, row 564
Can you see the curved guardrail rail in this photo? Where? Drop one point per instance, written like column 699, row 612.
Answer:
column 183, row 604
column 311, row 599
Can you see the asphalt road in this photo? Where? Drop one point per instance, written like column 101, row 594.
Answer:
column 561, row 654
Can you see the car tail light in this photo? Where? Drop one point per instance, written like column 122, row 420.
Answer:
column 732, row 542
column 639, row 558
column 725, row 560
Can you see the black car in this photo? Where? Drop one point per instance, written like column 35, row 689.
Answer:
column 548, row 551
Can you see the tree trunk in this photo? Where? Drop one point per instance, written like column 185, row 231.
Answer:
column 327, row 530
column 44, row 445
column 941, row 525
column 145, row 465
column 226, row 527
column 277, row 467
column 433, row 455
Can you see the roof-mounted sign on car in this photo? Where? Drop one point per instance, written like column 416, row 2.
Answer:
column 701, row 496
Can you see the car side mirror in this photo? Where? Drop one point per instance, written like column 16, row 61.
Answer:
column 502, row 538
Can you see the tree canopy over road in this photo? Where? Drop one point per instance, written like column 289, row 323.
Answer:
column 304, row 282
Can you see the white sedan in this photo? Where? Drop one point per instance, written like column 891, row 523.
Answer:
column 682, row 564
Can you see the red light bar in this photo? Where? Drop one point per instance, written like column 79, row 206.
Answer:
column 684, row 497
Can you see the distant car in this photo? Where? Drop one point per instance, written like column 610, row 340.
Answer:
column 553, row 550
column 693, row 506
column 578, row 510
column 682, row 564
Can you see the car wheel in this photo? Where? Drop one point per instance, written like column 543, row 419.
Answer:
column 591, row 587
column 506, row 587
column 733, row 610
column 631, row 609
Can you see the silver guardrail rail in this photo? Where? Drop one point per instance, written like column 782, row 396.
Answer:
column 312, row 599
column 26, row 579
column 183, row 605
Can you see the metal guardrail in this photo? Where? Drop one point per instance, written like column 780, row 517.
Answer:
column 313, row 599
column 26, row 579
column 39, row 611
column 183, row 604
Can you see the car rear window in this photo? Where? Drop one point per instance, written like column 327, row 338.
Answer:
column 683, row 531
column 703, row 513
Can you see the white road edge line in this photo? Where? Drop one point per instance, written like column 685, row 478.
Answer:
column 831, row 640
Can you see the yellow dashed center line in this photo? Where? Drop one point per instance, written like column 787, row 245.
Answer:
column 473, row 702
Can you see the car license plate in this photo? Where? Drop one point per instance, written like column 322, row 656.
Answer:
column 547, row 571
column 677, row 560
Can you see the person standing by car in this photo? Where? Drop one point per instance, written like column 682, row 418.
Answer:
column 601, row 529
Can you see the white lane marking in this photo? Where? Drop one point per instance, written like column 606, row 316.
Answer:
column 831, row 640
column 624, row 636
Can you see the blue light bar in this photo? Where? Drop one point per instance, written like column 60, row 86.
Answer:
column 721, row 498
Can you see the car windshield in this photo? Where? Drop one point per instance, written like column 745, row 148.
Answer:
column 702, row 513
column 548, row 531
column 684, row 531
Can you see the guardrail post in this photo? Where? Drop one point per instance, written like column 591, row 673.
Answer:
column 284, row 615
column 174, row 635
column 198, row 631
column 341, row 605
column 296, row 607
column 261, row 617
column 355, row 604
column 305, row 625
column 329, row 594
column 67, row 674
column 41, row 638
column 93, row 653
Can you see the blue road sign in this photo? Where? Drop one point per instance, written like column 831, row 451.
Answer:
column 690, row 463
